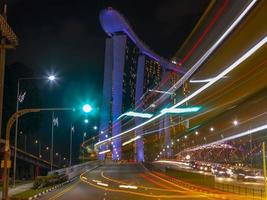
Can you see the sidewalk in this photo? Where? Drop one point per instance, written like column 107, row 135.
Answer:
column 18, row 189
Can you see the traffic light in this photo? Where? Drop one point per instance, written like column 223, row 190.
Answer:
column 87, row 108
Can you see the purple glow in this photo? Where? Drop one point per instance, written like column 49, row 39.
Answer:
column 113, row 22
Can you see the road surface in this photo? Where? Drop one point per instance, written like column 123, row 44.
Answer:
column 130, row 182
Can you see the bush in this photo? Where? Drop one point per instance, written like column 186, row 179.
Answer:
column 45, row 181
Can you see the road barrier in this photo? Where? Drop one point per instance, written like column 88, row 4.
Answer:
column 76, row 170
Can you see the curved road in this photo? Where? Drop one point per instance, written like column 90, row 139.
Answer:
column 129, row 182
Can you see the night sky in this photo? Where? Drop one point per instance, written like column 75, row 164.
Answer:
column 65, row 37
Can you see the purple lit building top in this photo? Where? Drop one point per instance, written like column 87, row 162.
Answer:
column 113, row 22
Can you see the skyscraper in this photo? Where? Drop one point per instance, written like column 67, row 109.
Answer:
column 131, row 70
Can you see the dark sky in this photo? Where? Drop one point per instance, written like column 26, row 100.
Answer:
column 65, row 37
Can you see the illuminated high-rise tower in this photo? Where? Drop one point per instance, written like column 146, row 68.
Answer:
column 131, row 69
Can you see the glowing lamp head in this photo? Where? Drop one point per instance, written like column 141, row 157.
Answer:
column 235, row 122
column 87, row 108
column 187, row 157
column 86, row 121
column 51, row 78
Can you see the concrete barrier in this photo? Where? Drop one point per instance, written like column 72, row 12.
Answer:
column 76, row 170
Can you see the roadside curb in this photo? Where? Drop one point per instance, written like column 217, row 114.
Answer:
column 50, row 189
column 58, row 186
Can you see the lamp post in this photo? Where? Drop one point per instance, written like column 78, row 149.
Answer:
column 84, row 136
column 48, row 154
column 71, row 132
column 39, row 147
column 24, row 139
column 19, row 100
column 87, row 108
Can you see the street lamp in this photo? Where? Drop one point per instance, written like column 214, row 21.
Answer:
column 235, row 122
column 25, row 139
column 86, row 121
column 20, row 99
column 95, row 127
column 51, row 78
column 39, row 147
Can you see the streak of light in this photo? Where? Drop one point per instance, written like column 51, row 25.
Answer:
column 131, row 140
column 172, row 162
column 201, row 80
column 103, row 152
column 128, row 186
column 136, row 114
column 180, row 110
column 235, row 136
column 161, row 92
column 102, row 184
column 96, row 181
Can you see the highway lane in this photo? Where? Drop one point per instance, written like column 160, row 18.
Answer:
column 130, row 182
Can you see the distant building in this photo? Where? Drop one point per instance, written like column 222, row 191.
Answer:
column 131, row 69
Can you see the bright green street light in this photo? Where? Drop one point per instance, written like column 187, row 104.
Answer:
column 87, row 108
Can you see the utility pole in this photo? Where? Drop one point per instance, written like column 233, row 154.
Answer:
column 264, row 169
column 71, row 132
column 52, row 143
column 8, row 40
column 16, row 138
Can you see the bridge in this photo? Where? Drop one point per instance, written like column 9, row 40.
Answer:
column 29, row 165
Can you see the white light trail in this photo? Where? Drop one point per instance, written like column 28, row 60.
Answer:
column 96, row 181
column 128, row 186
column 102, row 184
column 161, row 92
column 103, row 152
column 215, row 79
column 136, row 114
column 172, row 162
column 180, row 110
column 235, row 136
column 201, row 80
column 131, row 140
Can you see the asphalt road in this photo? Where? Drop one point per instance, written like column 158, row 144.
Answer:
column 108, row 182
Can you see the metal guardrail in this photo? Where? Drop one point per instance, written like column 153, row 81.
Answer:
column 254, row 193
